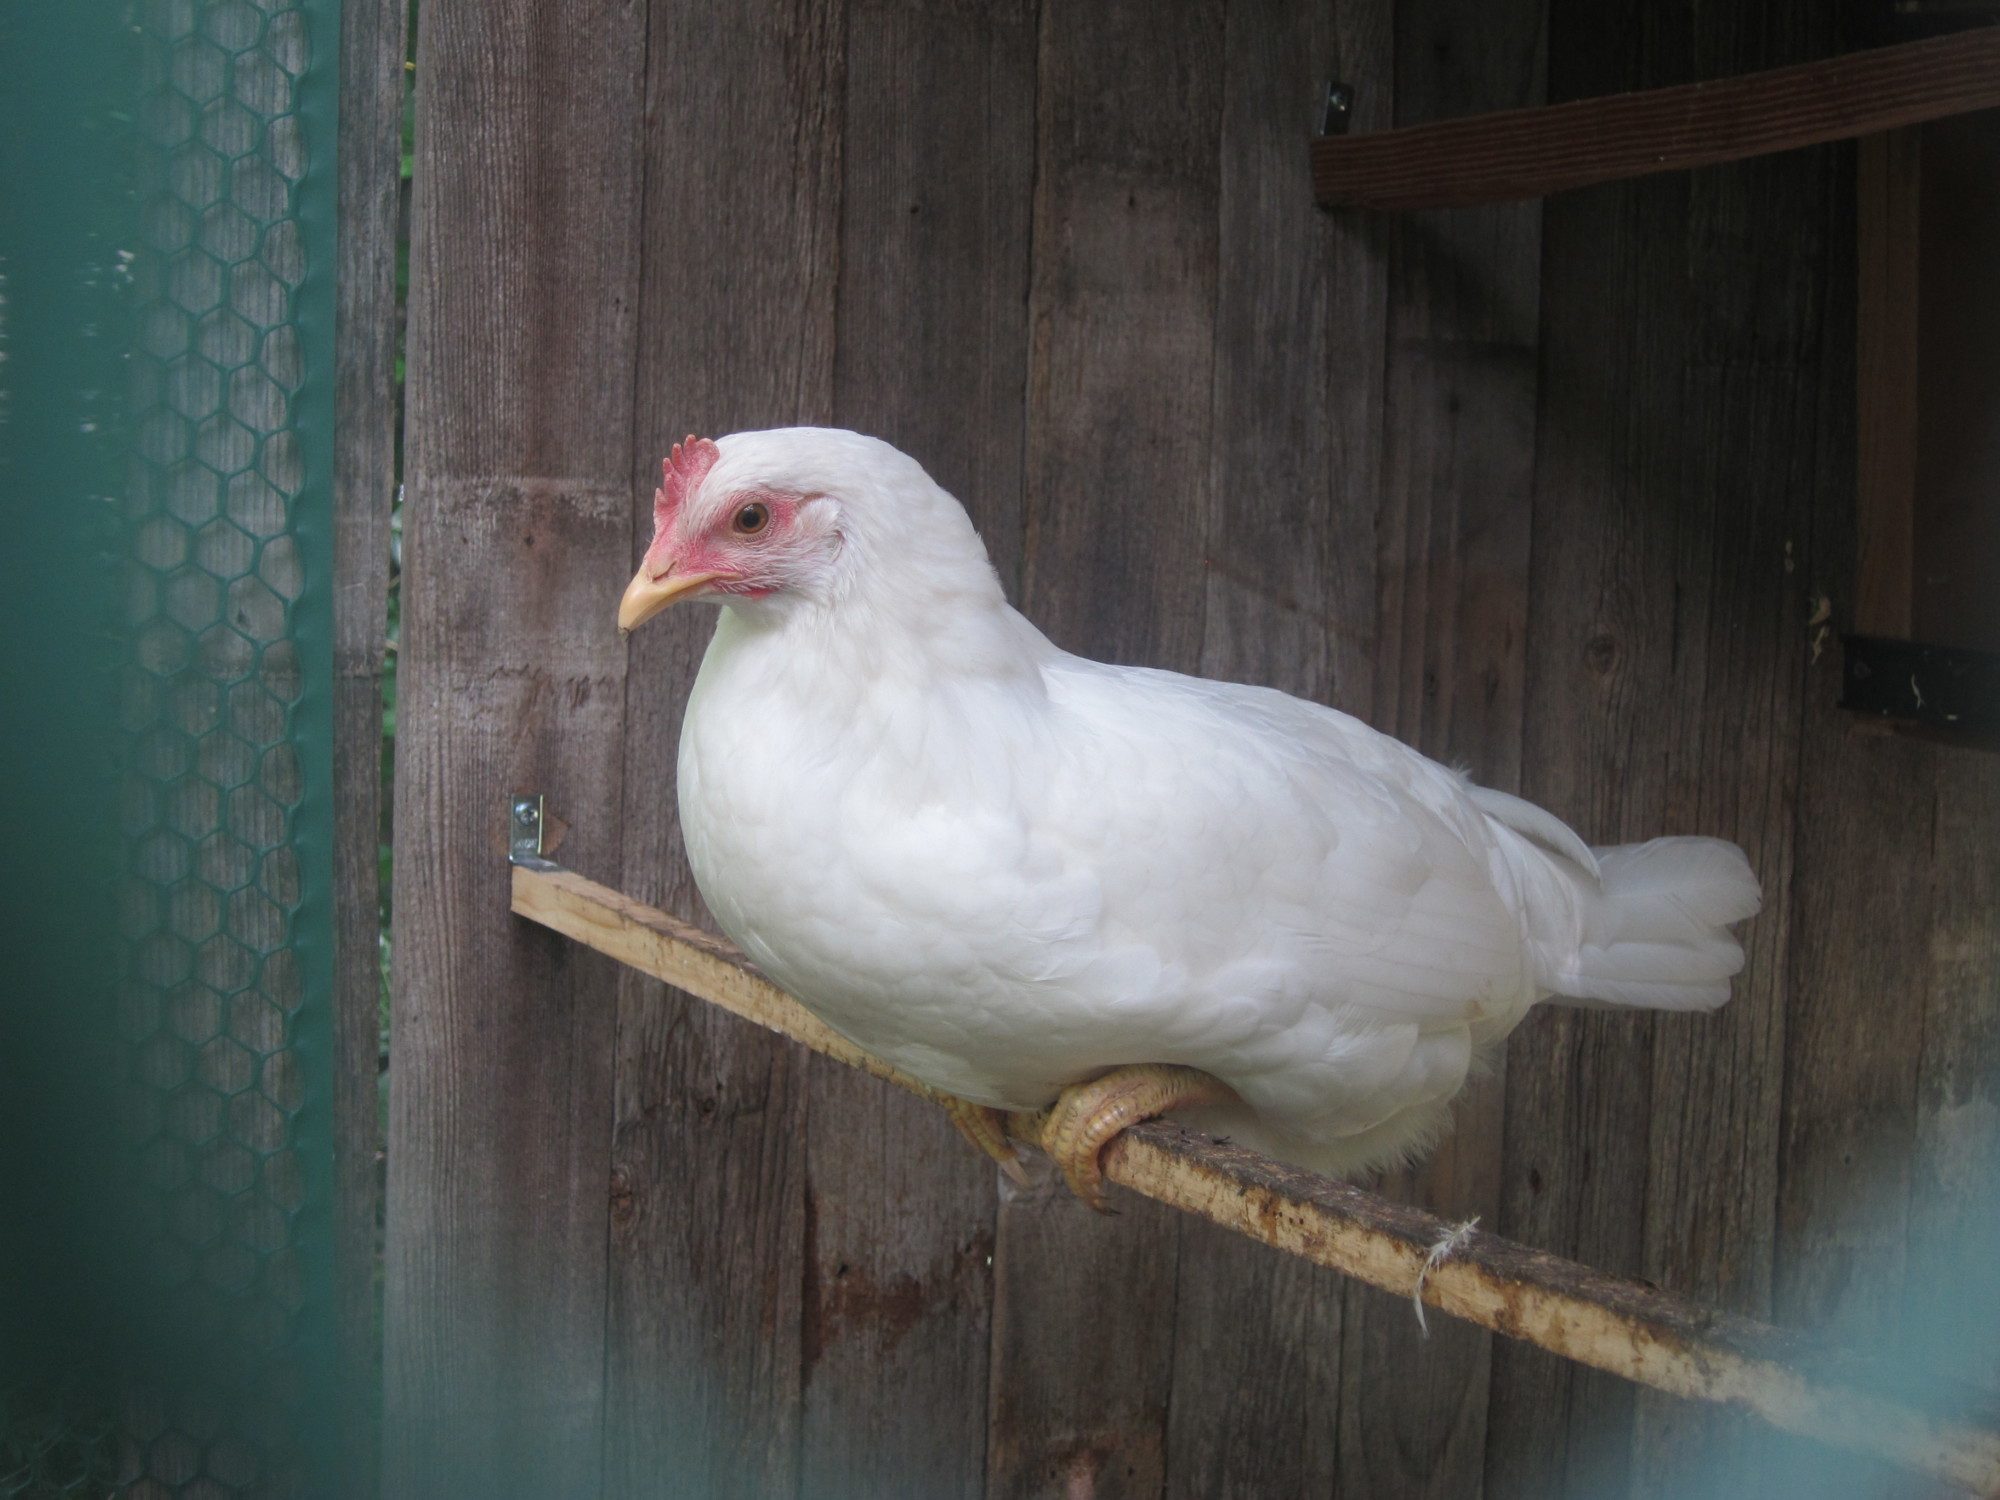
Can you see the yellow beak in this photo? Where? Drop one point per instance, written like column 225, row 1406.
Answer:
column 646, row 596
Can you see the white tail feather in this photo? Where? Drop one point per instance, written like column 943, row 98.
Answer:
column 1656, row 931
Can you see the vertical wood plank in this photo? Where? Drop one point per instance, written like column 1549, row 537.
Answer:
column 1862, row 914
column 1290, row 602
column 1082, row 1346
column 1859, row 969
column 1858, row 973
column 1296, row 467
column 364, row 485
column 1453, row 560
column 1952, row 1291
column 1745, row 292
column 1121, row 316
column 1601, row 586
column 933, row 306
column 1121, row 310
column 517, row 530
column 932, row 355
column 739, row 245
column 1688, row 321
column 1956, row 542
column 1888, row 183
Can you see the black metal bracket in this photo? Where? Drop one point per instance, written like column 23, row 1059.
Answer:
column 1941, row 687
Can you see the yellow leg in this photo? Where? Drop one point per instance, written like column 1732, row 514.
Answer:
column 987, row 1129
column 1089, row 1114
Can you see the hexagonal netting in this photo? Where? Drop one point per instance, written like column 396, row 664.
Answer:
column 218, row 269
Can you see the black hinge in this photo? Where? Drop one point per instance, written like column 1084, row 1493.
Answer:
column 1945, row 687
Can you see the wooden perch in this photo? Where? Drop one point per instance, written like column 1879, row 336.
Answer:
column 1528, row 153
column 1602, row 1321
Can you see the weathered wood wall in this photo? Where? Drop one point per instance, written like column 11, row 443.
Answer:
column 1552, row 490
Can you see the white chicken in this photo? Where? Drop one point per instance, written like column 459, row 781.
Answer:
column 1028, row 878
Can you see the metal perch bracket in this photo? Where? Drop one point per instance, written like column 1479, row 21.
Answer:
column 524, row 832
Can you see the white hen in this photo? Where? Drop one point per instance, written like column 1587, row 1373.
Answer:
column 1012, row 872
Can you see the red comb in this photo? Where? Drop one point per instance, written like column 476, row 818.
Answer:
column 681, row 474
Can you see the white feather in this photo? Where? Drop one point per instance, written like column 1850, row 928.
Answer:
column 1006, row 868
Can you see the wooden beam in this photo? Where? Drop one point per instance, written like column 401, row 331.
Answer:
column 1611, row 1324
column 1528, row 153
column 647, row 939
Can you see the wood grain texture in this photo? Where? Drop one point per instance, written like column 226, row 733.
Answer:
column 1578, row 1083
column 1888, row 183
column 1852, row 1054
column 937, row 170
column 517, row 513
column 1864, row 909
column 1685, row 330
column 1957, row 530
column 1531, row 153
column 739, row 248
column 936, row 207
column 1121, row 317
column 683, row 957
column 1952, row 1291
column 1259, row 442
column 1296, row 453
column 1741, row 309
column 1615, row 1325
column 364, row 488
column 1670, row 627
column 1289, row 603
column 1861, row 915
column 1452, row 566
column 1609, row 1324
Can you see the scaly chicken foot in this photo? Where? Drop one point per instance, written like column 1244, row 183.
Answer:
column 1088, row 1115
column 986, row 1128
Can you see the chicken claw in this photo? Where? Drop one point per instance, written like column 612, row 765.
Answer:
column 986, row 1128
column 1088, row 1115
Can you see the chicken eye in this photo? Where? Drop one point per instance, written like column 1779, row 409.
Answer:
column 750, row 520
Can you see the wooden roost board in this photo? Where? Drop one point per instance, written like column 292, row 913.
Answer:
column 1529, row 153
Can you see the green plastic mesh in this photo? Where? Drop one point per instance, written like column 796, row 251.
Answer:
column 59, row 1440
column 215, row 1341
